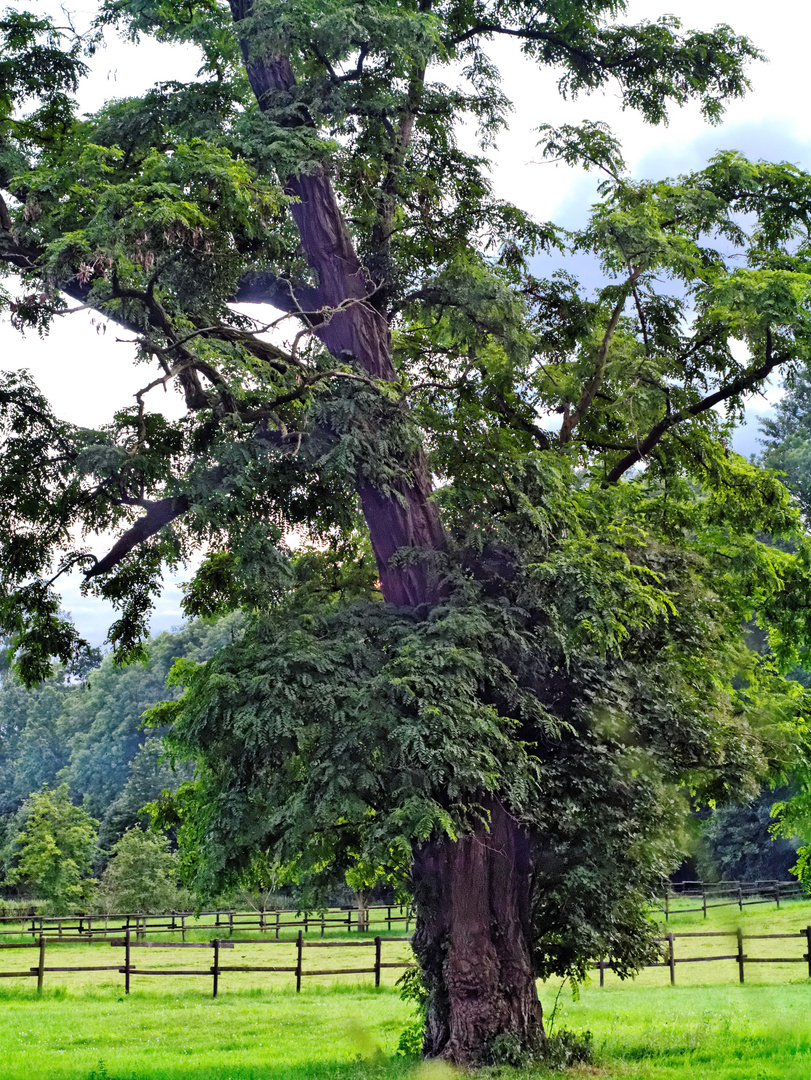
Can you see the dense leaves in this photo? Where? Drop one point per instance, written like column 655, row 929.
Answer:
column 53, row 850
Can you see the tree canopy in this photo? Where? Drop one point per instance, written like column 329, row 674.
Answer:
column 507, row 646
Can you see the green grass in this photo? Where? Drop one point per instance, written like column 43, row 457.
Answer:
column 707, row 1027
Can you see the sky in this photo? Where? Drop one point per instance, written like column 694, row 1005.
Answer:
column 87, row 371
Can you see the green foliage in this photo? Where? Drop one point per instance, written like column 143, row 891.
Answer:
column 413, row 989
column 736, row 844
column 52, row 852
column 141, row 875
column 582, row 657
column 788, row 439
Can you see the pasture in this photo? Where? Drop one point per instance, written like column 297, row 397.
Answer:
column 707, row 1027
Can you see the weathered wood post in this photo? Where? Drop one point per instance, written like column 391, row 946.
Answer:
column 127, row 960
column 299, row 948
column 41, row 964
column 741, row 957
column 671, row 959
column 216, row 968
column 377, row 960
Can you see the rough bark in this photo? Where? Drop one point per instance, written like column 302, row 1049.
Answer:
column 473, row 941
column 473, row 932
column 351, row 327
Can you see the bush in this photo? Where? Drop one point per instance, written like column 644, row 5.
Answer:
column 52, row 852
column 141, row 875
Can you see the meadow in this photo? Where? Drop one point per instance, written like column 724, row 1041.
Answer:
column 707, row 1027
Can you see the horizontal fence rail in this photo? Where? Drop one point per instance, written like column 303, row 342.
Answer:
column 740, row 894
column 740, row 957
column 81, row 927
column 214, row 970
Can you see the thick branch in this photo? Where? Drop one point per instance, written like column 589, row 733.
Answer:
column 654, row 436
column 158, row 516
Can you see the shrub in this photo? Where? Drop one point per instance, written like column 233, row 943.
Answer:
column 141, row 875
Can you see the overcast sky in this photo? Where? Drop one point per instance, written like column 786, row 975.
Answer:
column 87, row 373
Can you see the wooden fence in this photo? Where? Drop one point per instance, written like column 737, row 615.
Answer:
column 740, row 958
column 215, row 970
column 130, row 943
column 738, row 894
column 271, row 922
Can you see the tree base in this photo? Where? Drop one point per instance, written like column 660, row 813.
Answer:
column 473, row 943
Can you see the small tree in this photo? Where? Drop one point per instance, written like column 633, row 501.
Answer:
column 142, row 874
column 53, row 851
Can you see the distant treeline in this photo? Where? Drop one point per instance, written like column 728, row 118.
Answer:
column 86, row 732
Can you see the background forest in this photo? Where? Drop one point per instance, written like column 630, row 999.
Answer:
column 83, row 729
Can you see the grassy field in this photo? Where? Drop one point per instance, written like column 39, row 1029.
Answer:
column 707, row 1027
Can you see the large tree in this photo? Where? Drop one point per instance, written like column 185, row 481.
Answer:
column 501, row 715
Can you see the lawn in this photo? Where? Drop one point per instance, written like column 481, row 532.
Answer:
column 707, row 1027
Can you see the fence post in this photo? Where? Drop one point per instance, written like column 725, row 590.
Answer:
column 41, row 964
column 667, row 902
column 808, row 954
column 409, row 913
column 740, row 953
column 127, row 961
column 777, row 894
column 261, row 919
column 704, row 898
column 278, row 914
column 306, row 921
column 182, row 927
column 216, row 969
column 671, row 959
column 323, row 918
column 601, row 966
column 299, row 946
column 230, row 924
column 377, row 960
column 740, row 897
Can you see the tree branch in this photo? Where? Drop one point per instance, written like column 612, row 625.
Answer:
column 654, row 436
column 573, row 418
column 158, row 516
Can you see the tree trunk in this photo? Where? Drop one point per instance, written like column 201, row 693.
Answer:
column 473, row 941
column 473, row 936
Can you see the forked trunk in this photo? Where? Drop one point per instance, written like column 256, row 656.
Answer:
column 473, row 941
